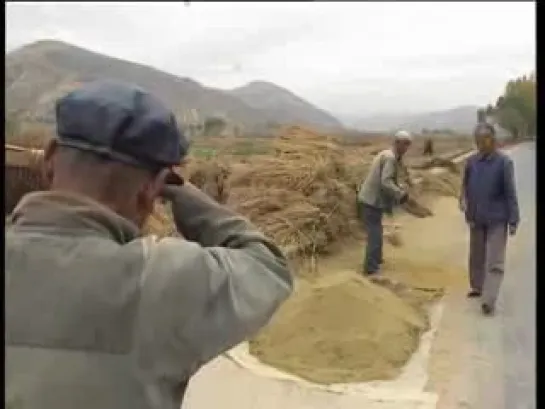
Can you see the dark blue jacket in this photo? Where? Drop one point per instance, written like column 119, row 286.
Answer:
column 489, row 190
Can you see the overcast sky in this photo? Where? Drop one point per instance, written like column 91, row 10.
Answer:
column 349, row 58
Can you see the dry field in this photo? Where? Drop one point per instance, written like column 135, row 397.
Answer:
column 300, row 188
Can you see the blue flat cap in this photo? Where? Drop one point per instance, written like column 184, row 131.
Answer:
column 120, row 121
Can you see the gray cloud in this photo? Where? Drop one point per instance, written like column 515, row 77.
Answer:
column 345, row 57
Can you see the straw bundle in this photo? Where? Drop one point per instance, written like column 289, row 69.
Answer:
column 22, row 174
column 303, row 196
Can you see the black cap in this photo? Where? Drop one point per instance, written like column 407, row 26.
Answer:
column 120, row 121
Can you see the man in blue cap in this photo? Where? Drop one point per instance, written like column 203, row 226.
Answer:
column 98, row 316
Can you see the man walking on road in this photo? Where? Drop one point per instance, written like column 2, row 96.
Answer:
column 98, row 316
column 489, row 201
column 378, row 194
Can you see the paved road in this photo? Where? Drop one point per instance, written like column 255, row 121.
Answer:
column 519, row 294
column 489, row 363
column 497, row 369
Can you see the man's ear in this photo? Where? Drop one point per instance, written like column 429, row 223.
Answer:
column 48, row 169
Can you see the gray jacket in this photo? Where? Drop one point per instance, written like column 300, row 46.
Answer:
column 97, row 317
column 380, row 188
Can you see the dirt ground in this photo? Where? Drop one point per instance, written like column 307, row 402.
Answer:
column 341, row 327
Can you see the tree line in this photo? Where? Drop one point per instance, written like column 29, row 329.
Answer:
column 515, row 109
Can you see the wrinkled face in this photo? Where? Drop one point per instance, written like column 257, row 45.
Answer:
column 402, row 146
column 484, row 140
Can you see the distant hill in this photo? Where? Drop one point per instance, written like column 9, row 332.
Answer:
column 283, row 106
column 460, row 119
column 37, row 74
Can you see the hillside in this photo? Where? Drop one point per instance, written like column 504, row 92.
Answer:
column 37, row 74
column 461, row 119
column 283, row 106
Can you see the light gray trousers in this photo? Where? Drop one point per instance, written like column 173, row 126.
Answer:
column 487, row 247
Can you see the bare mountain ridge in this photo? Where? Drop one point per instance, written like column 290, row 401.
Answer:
column 283, row 105
column 37, row 74
column 460, row 119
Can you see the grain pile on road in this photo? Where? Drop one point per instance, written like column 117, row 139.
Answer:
column 341, row 329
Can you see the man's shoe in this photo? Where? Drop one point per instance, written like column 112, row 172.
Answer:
column 473, row 294
column 487, row 309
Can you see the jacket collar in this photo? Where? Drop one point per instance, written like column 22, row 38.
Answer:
column 63, row 211
column 487, row 156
